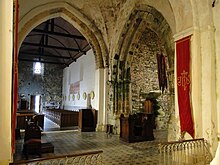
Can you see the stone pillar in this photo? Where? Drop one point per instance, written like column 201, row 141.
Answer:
column 172, row 123
column 6, row 29
column 216, row 13
column 105, row 98
column 127, row 98
column 116, row 98
column 101, row 95
column 196, row 81
column 209, row 113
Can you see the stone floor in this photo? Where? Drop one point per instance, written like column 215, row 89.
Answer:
column 115, row 151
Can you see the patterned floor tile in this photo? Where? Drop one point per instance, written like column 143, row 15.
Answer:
column 115, row 151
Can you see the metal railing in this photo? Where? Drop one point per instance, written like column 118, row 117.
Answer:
column 87, row 158
column 186, row 152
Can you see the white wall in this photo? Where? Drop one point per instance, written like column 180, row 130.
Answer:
column 83, row 71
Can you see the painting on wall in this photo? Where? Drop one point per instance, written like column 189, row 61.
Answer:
column 74, row 87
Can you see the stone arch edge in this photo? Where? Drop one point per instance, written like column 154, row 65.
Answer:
column 65, row 10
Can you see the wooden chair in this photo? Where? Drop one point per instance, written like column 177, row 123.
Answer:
column 32, row 140
column 39, row 120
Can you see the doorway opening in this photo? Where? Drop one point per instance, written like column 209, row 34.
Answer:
column 37, row 104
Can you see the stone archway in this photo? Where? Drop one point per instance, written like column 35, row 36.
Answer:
column 129, row 43
column 67, row 11
column 84, row 25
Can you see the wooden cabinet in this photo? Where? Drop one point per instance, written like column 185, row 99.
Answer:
column 24, row 116
column 64, row 118
column 32, row 140
column 39, row 120
column 22, row 119
column 23, row 104
column 137, row 127
column 87, row 120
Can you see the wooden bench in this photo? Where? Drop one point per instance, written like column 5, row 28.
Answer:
column 47, row 148
column 32, row 141
column 63, row 118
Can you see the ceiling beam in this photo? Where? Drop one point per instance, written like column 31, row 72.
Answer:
column 43, row 55
column 51, row 46
column 59, row 34
column 48, row 62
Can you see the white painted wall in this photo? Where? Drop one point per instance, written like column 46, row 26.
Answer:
column 85, row 72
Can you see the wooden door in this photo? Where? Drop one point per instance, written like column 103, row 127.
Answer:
column 32, row 103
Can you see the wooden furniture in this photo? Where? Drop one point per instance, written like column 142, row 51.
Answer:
column 23, row 104
column 148, row 107
column 32, row 140
column 47, row 147
column 64, row 118
column 38, row 119
column 137, row 127
column 87, row 120
column 24, row 116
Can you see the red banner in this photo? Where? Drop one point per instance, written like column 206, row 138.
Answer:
column 15, row 76
column 183, row 83
column 162, row 77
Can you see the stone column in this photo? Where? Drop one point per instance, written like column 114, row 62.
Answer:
column 216, row 13
column 6, row 29
column 127, row 98
column 172, row 123
column 196, row 81
column 105, row 98
column 209, row 113
column 101, row 95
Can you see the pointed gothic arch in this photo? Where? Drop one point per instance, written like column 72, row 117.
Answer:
column 71, row 14
column 139, row 21
column 84, row 25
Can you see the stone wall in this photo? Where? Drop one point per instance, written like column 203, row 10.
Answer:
column 144, row 75
column 48, row 85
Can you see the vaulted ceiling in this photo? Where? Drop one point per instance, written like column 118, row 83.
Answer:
column 55, row 41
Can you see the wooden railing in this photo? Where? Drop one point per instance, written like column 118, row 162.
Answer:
column 86, row 158
column 186, row 152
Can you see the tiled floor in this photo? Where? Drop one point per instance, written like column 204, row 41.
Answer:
column 115, row 151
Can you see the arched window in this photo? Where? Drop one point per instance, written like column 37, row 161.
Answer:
column 38, row 68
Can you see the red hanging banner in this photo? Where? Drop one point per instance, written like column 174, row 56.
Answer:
column 15, row 76
column 183, row 83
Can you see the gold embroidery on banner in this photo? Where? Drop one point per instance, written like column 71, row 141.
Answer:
column 183, row 80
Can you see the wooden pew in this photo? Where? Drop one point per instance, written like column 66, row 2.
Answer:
column 64, row 118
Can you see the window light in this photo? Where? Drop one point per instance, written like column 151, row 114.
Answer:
column 38, row 68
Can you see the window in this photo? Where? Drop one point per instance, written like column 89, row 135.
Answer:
column 38, row 68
